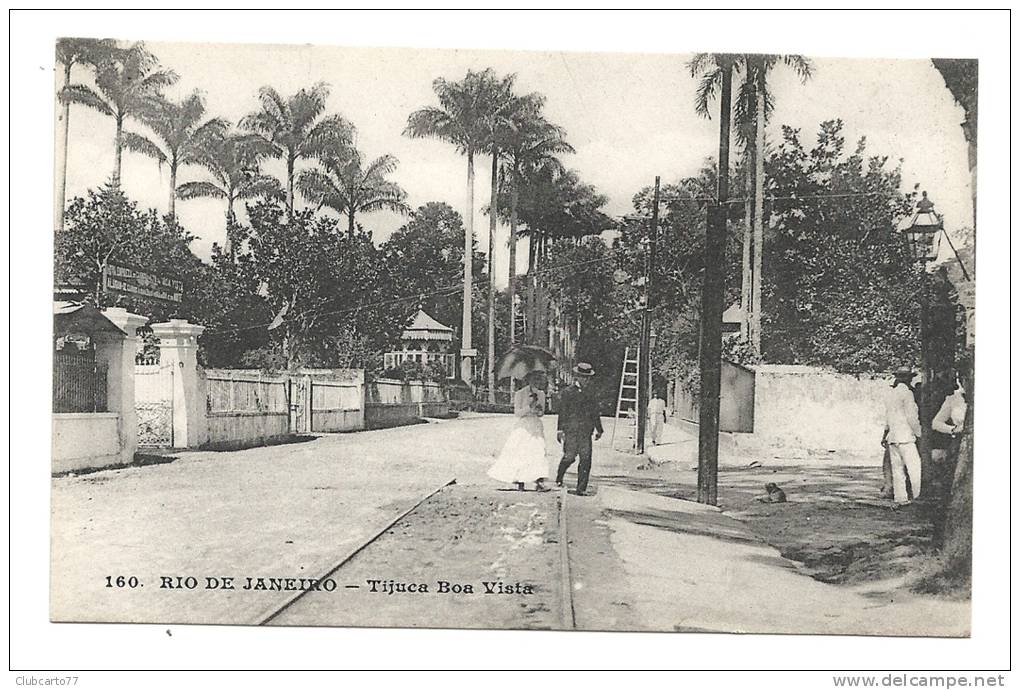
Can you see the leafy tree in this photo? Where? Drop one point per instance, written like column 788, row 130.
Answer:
column 843, row 290
column 107, row 228
column 70, row 52
column 126, row 81
column 297, row 128
column 675, row 291
column 423, row 263
column 324, row 288
column 346, row 185
column 181, row 135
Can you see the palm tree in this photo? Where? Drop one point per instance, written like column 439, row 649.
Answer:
column 126, row 81
column 533, row 143
column 71, row 52
column 460, row 120
column 296, row 129
column 499, row 124
column 346, row 186
column 710, row 68
column 753, row 106
column 233, row 160
column 181, row 137
column 758, row 67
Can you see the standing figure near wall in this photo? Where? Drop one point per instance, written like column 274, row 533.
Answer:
column 903, row 428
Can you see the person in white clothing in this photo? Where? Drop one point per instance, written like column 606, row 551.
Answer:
column 948, row 422
column 522, row 459
column 656, row 417
column 903, row 428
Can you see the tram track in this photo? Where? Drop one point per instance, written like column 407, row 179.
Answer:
column 269, row 615
column 568, row 617
column 561, row 587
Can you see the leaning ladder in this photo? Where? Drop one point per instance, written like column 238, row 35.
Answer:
column 626, row 402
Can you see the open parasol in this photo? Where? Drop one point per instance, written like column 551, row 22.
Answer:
column 521, row 360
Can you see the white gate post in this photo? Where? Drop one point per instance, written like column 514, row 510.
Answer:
column 178, row 348
column 119, row 355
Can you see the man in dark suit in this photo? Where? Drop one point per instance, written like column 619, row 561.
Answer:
column 578, row 418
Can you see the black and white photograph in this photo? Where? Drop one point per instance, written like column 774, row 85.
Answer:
column 354, row 336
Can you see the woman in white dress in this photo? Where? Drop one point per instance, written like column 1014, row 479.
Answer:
column 522, row 460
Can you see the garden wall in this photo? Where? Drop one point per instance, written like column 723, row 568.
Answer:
column 794, row 408
column 389, row 402
column 84, row 440
column 818, row 409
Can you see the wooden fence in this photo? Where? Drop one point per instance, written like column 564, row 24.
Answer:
column 245, row 407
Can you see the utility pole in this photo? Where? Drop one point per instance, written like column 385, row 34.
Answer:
column 712, row 306
column 644, row 359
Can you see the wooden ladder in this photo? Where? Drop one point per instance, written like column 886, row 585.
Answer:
column 626, row 403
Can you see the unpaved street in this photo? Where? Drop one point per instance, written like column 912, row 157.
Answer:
column 471, row 554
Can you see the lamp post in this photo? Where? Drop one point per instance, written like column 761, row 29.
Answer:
column 923, row 233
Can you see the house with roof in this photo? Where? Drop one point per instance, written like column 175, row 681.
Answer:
column 424, row 341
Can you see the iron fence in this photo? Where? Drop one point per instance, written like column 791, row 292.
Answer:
column 79, row 383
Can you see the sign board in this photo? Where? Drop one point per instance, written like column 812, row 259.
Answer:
column 121, row 280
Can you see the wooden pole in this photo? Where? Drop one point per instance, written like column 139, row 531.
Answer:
column 712, row 307
column 644, row 360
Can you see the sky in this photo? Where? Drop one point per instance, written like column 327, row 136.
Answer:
column 630, row 117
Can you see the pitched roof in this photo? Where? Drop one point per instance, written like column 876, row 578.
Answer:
column 71, row 316
column 424, row 327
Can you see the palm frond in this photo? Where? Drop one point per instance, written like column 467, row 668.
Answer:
column 329, row 134
column 307, row 105
column 262, row 186
column 200, row 190
column 143, row 145
column 386, row 196
column 319, row 188
column 80, row 94
column 92, row 51
column 435, row 123
column 381, row 166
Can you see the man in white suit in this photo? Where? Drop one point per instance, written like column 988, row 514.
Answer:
column 903, row 428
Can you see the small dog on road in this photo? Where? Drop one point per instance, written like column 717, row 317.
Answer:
column 773, row 494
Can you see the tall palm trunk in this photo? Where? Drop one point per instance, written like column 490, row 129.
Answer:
column 466, row 373
column 229, row 241
column 532, row 253
column 118, row 149
column 491, row 359
column 759, row 209
column 512, row 273
column 62, row 183
column 350, row 223
column 747, row 277
column 290, row 186
column 542, row 306
column 173, row 190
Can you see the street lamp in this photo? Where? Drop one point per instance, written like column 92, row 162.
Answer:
column 923, row 232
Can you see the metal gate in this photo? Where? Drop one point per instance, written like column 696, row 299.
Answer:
column 154, row 405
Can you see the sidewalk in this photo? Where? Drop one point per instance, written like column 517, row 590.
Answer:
column 692, row 568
